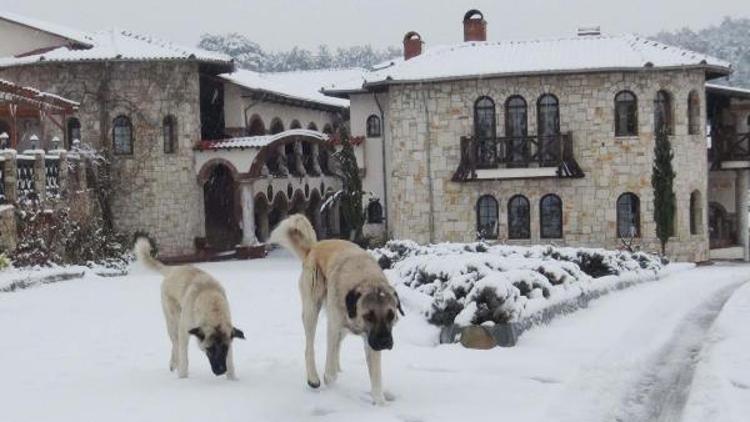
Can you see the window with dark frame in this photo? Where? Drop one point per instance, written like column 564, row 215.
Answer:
column 169, row 132
column 295, row 125
column 548, row 115
column 516, row 127
column 550, row 217
column 485, row 131
column 374, row 212
column 626, row 114
column 663, row 113
column 487, row 217
column 696, row 213
column 628, row 216
column 74, row 131
column 519, row 219
column 276, row 126
column 122, row 136
column 694, row 113
column 373, row 126
column 256, row 126
column 312, row 126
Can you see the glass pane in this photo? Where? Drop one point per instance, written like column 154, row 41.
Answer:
column 551, row 216
column 518, row 218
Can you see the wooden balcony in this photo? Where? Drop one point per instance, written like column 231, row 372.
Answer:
column 730, row 151
column 517, row 157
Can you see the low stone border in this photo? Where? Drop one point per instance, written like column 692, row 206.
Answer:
column 31, row 281
column 507, row 334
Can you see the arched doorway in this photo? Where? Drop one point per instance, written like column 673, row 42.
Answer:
column 262, row 228
column 279, row 210
column 222, row 225
column 719, row 226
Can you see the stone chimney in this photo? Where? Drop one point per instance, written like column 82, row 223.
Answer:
column 412, row 45
column 475, row 27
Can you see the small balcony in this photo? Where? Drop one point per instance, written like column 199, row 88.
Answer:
column 730, row 151
column 528, row 156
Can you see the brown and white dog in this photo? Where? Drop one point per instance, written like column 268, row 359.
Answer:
column 194, row 304
column 357, row 296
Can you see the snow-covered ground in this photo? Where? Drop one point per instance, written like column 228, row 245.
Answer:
column 96, row 349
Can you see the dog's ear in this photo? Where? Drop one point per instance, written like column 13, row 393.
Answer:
column 398, row 304
column 237, row 333
column 351, row 303
column 198, row 333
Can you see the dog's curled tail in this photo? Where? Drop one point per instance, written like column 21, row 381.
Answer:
column 142, row 251
column 296, row 234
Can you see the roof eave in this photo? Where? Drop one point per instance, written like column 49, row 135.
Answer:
column 714, row 70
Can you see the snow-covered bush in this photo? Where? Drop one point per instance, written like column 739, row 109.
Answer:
column 477, row 283
column 4, row 261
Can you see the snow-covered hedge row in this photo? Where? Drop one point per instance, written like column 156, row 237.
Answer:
column 476, row 283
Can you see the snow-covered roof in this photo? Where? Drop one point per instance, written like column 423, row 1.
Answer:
column 259, row 141
column 114, row 44
column 12, row 91
column 79, row 37
column 558, row 55
column 729, row 90
column 297, row 85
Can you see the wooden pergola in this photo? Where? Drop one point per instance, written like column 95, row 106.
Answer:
column 17, row 102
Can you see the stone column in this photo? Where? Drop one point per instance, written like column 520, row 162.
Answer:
column 248, row 214
column 9, row 170
column 62, row 179
column 741, row 185
column 40, row 177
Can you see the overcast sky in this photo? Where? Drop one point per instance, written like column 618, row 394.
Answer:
column 281, row 24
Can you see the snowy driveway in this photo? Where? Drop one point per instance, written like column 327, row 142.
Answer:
column 96, row 349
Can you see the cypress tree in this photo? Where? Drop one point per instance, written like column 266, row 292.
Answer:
column 662, row 180
column 351, row 191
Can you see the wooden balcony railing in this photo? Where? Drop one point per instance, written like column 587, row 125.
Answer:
column 730, row 147
column 517, row 152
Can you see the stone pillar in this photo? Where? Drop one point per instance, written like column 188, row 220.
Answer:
column 9, row 174
column 740, row 194
column 62, row 179
column 40, row 178
column 316, row 160
column 248, row 214
column 299, row 160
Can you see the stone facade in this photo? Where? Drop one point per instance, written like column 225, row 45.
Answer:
column 425, row 124
column 154, row 191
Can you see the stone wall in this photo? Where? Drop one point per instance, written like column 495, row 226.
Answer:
column 154, row 191
column 429, row 120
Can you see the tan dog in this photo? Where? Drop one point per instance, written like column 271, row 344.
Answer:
column 193, row 303
column 356, row 294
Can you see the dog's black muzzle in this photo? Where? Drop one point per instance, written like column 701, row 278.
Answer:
column 381, row 341
column 218, row 368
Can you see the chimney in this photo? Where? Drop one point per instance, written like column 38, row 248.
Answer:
column 589, row 31
column 412, row 45
column 475, row 27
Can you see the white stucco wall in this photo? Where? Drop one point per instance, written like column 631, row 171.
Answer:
column 17, row 39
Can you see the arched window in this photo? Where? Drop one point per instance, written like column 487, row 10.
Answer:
column 169, row 131
column 295, row 125
column 73, row 131
column 122, row 135
column 626, row 114
column 548, row 128
column 256, row 126
column 327, row 129
column 516, row 128
column 374, row 212
column 276, row 126
column 550, row 217
column 696, row 213
column 628, row 216
column 519, row 219
column 485, row 131
column 312, row 126
column 373, row 126
column 663, row 113
column 487, row 216
column 694, row 113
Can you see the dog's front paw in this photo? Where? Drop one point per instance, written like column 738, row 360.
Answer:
column 378, row 399
column 232, row 377
column 330, row 379
column 314, row 383
column 182, row 374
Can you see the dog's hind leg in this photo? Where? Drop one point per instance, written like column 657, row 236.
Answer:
column 171, row 313
column 376, row 380
column 311, row 304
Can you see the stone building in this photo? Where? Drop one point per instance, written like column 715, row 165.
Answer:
column 161, row 113
column 538, row 141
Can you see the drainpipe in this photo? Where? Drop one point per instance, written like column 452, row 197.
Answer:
column 428, row 149
column 382, row 162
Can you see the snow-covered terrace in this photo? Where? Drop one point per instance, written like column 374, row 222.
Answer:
column 469, row 60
